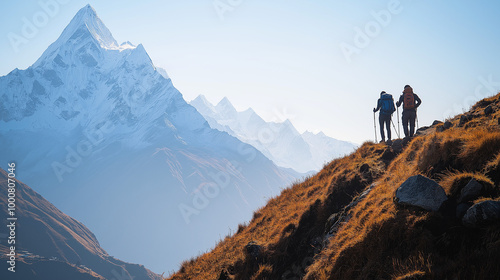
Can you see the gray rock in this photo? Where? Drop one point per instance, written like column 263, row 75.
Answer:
column 471, row 191
column 436, row 122
column 388, row 155
column 462, row 209
column 447, row 124
column 483, row 213
column 397, row 146
column 422, row 192
column 488, row 110
column 253, row 251
column 464, row 119
column 332, row 220
column 364, row 168
column 421, row 130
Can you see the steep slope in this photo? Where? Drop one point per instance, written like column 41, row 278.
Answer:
column 343, row 223
column 51, row 244
column 275, row 140
column 108, row 139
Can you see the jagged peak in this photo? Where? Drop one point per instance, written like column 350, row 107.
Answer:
column 225, row 104
column 85, row 23
column 250, row 111
column 224, row 101
column 87, row 18
column 201, row 98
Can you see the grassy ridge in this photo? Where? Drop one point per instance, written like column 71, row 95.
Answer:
column 379, row 240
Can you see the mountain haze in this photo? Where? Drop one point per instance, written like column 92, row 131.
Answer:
column 105, row 136
column 275, row 140
column 54, row 245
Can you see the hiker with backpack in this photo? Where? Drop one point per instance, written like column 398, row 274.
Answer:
column 410, row 102
column 386, row 106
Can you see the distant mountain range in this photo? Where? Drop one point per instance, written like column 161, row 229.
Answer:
column 52, row 245
column 280, row 142
column 103, row 134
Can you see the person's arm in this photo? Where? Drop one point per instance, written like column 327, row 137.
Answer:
column 398, row 103
column 378, row 106
column 417, row 100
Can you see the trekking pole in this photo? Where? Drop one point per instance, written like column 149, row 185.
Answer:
column 399, row 132
column 375, row 127
column 416, row 117
column 395, row 128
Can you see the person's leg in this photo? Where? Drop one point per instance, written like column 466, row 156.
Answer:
column 381, row 124
column 412, row 117
column 405, row 123
column 388, row 126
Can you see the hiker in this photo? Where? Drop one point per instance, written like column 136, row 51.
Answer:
column 410, row 102
column 386, row 106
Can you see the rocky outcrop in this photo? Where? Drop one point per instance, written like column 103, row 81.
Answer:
column 482, row 213
column 488, row 110
column 421, row 192
column 336, row 220
column 471, row 191
column 447, row 124
column 464, row 119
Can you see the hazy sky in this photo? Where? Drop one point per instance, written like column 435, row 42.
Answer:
column 322, row 64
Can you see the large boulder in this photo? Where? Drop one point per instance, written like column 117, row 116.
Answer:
column 471, row 191
column 421, row 192
column 488, row 110
column 436, row 122
column 464, row 119
column 482, row 213
column 447, row 124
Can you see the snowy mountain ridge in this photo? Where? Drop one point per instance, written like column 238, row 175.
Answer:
column 279, row 141
column 105, row 136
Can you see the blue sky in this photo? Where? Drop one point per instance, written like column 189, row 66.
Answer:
column 285, row 58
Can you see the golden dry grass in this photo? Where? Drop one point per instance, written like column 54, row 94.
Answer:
column 381, row 240
column 275, row 226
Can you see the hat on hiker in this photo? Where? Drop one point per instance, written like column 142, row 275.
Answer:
column 408, row 89
column 383, row 92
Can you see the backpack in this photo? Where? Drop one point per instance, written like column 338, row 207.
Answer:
column 408, row 99
column 387, row 106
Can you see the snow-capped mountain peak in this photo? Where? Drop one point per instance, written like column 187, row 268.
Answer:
column 203, row 100
column 225, row 109
column 225, row 104
column 279, row 141
column 127, row 45
column 91, row 116
column 86, row 34
column 87, row 18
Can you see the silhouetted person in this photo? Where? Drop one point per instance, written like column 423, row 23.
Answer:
column 410, row 102
column 386, row 106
